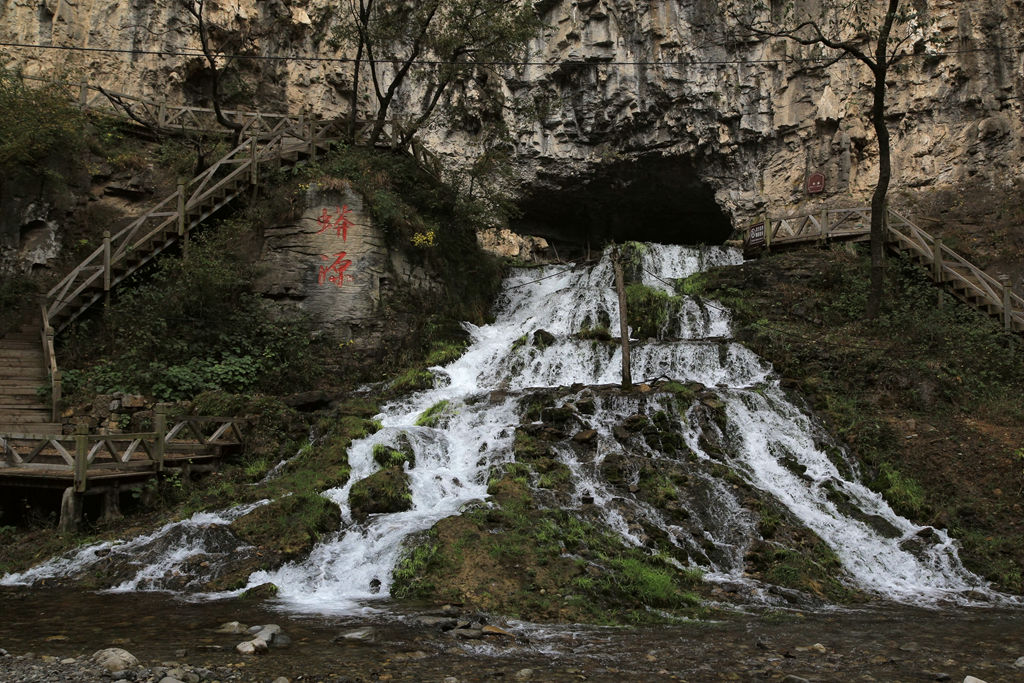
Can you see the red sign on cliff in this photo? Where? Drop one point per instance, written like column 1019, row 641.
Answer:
column 815, row 183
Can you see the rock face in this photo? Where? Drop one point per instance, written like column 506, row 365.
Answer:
column 662, row 101
column 335, row 265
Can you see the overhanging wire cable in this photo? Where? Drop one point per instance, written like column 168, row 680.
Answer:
column 434, row 62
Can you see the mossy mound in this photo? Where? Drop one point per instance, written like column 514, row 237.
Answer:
column 386, row 490
column 542, row 565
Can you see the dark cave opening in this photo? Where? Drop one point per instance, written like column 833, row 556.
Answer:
column 653, row 199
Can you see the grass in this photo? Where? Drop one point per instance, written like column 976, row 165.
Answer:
column 432, row 416
column 925, row 398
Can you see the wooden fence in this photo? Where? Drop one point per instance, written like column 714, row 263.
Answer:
column 81, row 455
column 948, row 268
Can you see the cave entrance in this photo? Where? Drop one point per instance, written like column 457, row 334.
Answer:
column 654, row 199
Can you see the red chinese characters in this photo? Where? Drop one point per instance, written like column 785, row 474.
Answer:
column 339, row 221
column 335, row 272
column 332, row 270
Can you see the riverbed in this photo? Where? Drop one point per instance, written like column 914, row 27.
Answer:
column 881, row 642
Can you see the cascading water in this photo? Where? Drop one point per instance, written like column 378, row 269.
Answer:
column 454, row 458
column 764, row 439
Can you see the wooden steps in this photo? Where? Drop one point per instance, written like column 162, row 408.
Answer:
column 22, row 374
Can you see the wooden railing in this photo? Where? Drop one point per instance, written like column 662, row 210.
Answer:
column 948, row 268
column 269, row 138
column 147, row 452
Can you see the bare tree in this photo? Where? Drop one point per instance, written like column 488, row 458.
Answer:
column 879, row 38
column 434, row 42
column 214, row 55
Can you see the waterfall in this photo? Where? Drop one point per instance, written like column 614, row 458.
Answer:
column 453, row 460
column 764, row 439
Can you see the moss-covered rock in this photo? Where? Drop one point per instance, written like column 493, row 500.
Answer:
column 386, row 490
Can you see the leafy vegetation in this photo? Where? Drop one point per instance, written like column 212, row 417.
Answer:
column 186, row 326
column 39, row 124
column 927, row 398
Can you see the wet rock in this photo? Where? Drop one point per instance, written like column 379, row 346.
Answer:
column 233, row 627
column 114, row 659
column 468, row 633
column 443, row 623
column 495, row 631
column 264, row 591
column 794, row 679
column 170, row 679
column 1019, row 664
column 586, row 436
column 524, row 674
column 635, row 423
column 281, row 679
column 269, row 632
column 972, row 679
column 364, row 634
column 252, row 647
column 543, row 339
column 386, row 490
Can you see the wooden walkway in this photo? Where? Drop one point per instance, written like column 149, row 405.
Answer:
column 85, row 463
column 949, row 269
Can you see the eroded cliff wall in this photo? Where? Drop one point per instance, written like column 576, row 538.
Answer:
column 616, row 81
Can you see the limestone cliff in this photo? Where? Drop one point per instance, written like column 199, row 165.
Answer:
column 660, row 101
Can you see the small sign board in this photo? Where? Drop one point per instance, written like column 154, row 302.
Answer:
column 755, row 236
column 815, row 183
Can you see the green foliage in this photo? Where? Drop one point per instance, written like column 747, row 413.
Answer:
column 190, row 325
column 651, row 585
column 650, row 310
column 903, row 493
column 410, row 578
column 38, row 124
column 386, row 456
column 432, row 416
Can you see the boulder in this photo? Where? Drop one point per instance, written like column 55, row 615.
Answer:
column 384, row 491
column 114, row 659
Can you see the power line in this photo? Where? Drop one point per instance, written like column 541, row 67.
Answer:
column 433, row 62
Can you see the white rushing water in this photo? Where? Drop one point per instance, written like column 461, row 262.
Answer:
column 763, row 432
column 453, row 460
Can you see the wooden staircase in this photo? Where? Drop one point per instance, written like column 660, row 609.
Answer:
column 22, row 374
column 966, row 281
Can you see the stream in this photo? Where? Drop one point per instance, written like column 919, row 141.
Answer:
column 931, row 619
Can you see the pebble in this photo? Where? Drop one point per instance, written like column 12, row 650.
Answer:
column 524, row 674
column 1018, row 664
column 972, row 679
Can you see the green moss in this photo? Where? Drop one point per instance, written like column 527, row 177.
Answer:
column 385, row 456
column 650, row 310
column 386, row 490
column 420, row 560
column 413, row 379
column 434, row 415
column 904, row 494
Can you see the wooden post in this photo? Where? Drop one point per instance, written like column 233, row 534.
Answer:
column 57, row 397
column 937, row 269
column 767, row 232
column 83, row 93
column 70, row 511
column 111, row 504
column 1007, row 310
column 824, row 225
column 627, row 379
column 160, row 429
column 161, row 114
column 81, row 457
column 106, row 268
column 182, row 232
column 254, row 168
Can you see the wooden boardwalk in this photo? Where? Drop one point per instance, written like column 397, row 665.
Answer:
column 84, row 463
column 949, row 269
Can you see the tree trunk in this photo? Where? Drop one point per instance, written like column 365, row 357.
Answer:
column 878, row 203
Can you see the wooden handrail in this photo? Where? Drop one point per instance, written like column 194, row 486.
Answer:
column 82, row 449
column 947, row 264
